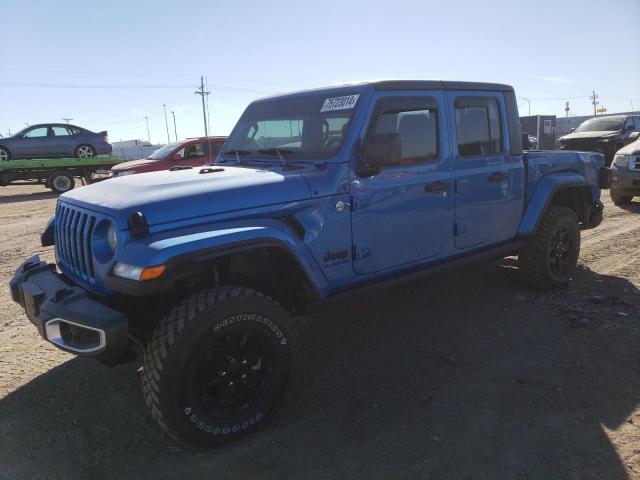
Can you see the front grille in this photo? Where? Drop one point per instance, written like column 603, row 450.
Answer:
column 73, row 241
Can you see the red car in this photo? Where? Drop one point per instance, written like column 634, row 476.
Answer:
column 193, row 152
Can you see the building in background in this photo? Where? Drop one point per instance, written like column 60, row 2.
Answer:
column 133, row 149
column 543, row 127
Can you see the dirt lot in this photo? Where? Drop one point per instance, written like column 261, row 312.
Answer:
column 467, row 375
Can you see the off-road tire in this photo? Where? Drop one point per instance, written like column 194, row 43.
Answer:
column 618, row 198
column 182, row 343
column 536, row 257
column 61, row 182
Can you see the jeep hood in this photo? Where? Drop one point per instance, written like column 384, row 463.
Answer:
column 586, row 135
column 169, row 196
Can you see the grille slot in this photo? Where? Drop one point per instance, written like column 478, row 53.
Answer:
column 73, row 241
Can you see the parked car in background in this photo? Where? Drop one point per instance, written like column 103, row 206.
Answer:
column 54, row 140
column 625, row 170
column 192, row 152
column 604, row 135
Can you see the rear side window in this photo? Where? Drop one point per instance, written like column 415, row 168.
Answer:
column 415, row 121
column 636, row 122
column 60, row 131
column 478, row 126
column 195, row 150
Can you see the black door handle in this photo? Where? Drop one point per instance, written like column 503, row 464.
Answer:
column 496, row 177
column 435, row 187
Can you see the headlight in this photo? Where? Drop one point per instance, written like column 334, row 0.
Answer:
column 125, row 173
column 621, row 161
column 112, row 237
column 131, row 272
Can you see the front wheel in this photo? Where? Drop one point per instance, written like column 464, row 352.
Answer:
column 618, row 198
column 218, row 366
column 4, row 154
column 550, row 256
column 85, row 151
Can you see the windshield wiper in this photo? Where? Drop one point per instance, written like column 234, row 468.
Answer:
column 237, row 153
column 281, row 152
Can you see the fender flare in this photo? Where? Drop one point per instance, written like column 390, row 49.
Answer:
column 177, row 250
column 542, row 195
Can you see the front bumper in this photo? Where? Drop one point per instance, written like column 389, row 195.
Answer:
column 625, row 180
column 65, row 314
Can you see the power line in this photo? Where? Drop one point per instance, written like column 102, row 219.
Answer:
column 126, row 86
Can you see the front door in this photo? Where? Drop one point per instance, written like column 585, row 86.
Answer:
column 402, row 214
column 34, row 143
column 486, row 207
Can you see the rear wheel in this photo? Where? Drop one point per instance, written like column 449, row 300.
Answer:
column 61, row 182
column 85, row 151
column 619, row 198
column 4, row 154
column 551, row 255
column 218, row 365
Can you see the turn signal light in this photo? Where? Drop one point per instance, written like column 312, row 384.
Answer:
column 150, row 273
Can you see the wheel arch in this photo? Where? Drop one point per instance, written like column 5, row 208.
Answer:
column 568, row 189
column 270, row 259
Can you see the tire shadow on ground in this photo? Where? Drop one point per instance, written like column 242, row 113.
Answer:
column 463, row 375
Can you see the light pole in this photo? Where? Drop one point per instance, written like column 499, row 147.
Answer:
column 148, row 136
column 528, row 100
column 166, row 122
column 175, row 129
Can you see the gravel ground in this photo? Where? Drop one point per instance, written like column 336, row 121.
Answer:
column 467, row 375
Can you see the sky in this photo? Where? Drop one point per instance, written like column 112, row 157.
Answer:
column 107, row 65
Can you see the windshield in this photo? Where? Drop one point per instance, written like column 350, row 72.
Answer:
column 163, row 152
column 605, row 124
column 308, row 127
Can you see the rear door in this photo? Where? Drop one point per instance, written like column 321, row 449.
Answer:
column 487, row 203
column 403, row 213
column 60, row 141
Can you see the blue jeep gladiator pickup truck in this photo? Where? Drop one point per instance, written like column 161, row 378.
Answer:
column 317, row 193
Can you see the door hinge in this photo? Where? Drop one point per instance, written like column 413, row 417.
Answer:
column 358, row 253
column 459, row 229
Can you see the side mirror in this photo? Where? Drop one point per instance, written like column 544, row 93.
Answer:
column 382, row 149
column 572, row 129
column 634, row 136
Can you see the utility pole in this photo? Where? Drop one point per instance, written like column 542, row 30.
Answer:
column 175, row 129
column 148, row 135
column 566, row 109
column 9, row 130
column 202, row 93
column 66, row 119
column 166, row 122
column 595, row 102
